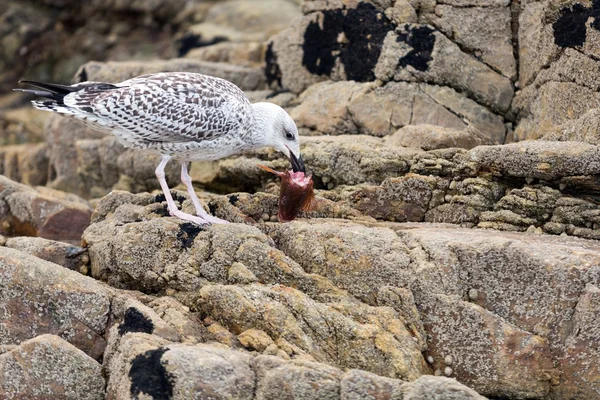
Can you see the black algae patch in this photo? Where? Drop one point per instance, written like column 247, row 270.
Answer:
column 272, row 70
column 233, row 199
column 361, row 30
column 422, row 40
column 191, row 41
column 159, row 198
column 569, row 29
column 187, row 233
column 212, row 208
column 163, row 212
column 135, row 321
column 149, row 376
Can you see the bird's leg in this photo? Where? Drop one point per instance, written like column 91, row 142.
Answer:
column 187, row 181
column 173, row 210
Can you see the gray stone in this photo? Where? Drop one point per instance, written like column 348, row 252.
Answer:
column 66, row 255
column 430, row 137
column 51, row 368
column 117, row 71
column 485, row 31
column 40, row 297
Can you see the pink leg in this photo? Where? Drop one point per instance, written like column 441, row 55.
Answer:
column 187, row 181
column 173, row 210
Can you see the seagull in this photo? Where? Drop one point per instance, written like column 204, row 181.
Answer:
column 179, row 115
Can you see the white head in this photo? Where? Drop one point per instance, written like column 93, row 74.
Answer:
column 280, row 132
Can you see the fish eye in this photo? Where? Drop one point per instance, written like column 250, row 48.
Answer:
column 289, row 135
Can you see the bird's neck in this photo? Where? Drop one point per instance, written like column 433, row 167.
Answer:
column 262, row 124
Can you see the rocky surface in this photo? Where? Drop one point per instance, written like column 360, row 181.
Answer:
column 441, row 260
column 43, row 212
column 348, row 294
column 216, row 371
column 49, row 367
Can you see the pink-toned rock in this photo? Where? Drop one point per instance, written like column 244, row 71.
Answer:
column 44, row 212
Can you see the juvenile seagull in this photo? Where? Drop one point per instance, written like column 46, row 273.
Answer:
column 180, row 115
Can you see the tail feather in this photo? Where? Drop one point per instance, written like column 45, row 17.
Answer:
column 52, row 87
column 41, row 93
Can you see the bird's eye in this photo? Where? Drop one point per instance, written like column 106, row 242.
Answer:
column 289, row 135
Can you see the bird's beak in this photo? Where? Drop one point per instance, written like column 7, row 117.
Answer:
column 297, row 163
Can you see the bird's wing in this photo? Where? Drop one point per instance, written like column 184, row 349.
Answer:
column 168, row 107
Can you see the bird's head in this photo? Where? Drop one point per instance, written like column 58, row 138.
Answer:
column 280, row 132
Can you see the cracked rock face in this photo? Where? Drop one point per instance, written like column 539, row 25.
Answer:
column 179, row 369
column 427, row 299
column 453, row 68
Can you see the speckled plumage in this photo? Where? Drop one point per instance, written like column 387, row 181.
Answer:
column 190, row 117
column 185, row 115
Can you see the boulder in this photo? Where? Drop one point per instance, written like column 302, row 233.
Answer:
column 176, row 370
column 66, row 255
column 22, row 125
column 536, row 321
column 584, row 129
column 326, row 44
column 116, row 71
column 537, row 159
column 558, row 67
column 581, row 375
column 40, row 297
column 267, row 17
column 42, row 212
column 52, row 368
column 250, row 54
column 26, row 163
column 485, row 31
column 431, row 137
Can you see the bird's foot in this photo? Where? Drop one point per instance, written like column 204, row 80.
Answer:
column 213, row 220
column 188, row 217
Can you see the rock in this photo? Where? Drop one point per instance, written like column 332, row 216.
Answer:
column 324, row 107
column 361, row 385
column 25, row 163
column 42, row 213
column 580, row 375
column 267, row 17
column 38, row 40
column 583, row 129
column 442, row 63
column 40, row 297
column 22, row 125
column 91, row 163
column 277, row 378
column 66, row 255
column 117, row 71
column 559, row 72
column 206, row 34
column 179, row 369
column 538, row 159
column 363, row 348
column 430, row 137
column 254, row 339
column 325, row 44
column 332, row 160
column 184, row 256
column 250, row 54
column 484, row 31
column 350, row 107
column 437, row 387
column 64, row 158
column 398, row 199
column 49, row 367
